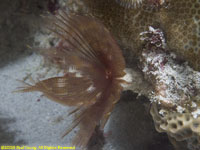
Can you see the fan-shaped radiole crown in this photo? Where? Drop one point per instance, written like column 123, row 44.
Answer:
column 93, row 65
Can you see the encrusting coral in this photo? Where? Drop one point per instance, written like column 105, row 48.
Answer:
column 182, row 128
column 179, row 20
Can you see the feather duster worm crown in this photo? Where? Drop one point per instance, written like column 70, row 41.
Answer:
column 94, row 67
column 130, row 3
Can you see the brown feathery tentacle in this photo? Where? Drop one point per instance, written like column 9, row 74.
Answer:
column 68, row 90
column 94, row 66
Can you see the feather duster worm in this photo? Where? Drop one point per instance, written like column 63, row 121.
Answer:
column 94, row 67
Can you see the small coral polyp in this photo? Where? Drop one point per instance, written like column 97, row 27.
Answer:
column 156, row 3
column 130, row 3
